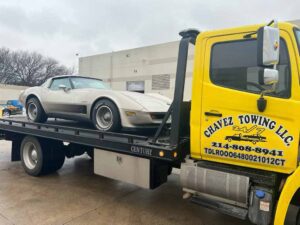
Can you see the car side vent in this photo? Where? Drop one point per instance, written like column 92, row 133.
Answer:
column 161, row 82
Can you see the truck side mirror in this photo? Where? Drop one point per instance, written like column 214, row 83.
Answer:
column 268, row 40
column 268, row 76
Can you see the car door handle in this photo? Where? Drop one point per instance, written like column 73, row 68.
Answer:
column 217, row 114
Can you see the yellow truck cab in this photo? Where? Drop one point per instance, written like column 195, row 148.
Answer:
column 244, row 148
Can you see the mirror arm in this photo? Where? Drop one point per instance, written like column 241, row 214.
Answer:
column 268, row 90
column 262, row 102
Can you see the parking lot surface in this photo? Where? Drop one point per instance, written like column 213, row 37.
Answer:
column 74, row 195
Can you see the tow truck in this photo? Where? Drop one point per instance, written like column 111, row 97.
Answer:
column 243, row 77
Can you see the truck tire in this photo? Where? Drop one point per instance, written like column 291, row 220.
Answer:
column 35, row 111
column 90, row 153
column 39, row 157
column 59, row 157
column 298, row 218
column 292, row 216
column 106, row 116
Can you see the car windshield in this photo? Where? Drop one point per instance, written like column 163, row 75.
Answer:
column 297, row 33
column 81, row 82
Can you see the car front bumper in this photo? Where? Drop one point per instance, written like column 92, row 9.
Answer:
column 140, row 119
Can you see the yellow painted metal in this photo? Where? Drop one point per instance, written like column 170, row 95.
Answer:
column 236, row 105
column 291, row 186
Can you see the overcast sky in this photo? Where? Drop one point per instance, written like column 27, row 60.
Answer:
column 62, row 28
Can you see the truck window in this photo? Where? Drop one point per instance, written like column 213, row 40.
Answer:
column 234, row 65
column 297, row 33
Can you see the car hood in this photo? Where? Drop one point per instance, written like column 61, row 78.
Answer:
column 149, row 103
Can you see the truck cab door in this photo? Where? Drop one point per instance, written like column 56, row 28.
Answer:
column 233, row 131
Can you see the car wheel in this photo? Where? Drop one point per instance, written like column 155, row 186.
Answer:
column 105, row 116
column 35, row 111
column 6, row 113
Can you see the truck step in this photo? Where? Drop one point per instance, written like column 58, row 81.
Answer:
column 231, row 210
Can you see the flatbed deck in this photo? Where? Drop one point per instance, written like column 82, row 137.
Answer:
column 84, row 134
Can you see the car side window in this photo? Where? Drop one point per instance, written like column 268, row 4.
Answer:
column 234, row 65
column 60, row 81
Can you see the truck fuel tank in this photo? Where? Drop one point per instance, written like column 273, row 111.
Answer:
column 232, row 188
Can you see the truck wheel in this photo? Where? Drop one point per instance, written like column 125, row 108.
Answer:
column 39, row 157
column 35, row 111
column 32, row 156
column 105, row 116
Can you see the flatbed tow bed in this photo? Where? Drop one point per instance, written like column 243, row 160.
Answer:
column 77, row 133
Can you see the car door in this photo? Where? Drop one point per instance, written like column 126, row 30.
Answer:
column 62, row 101
column 233, row 130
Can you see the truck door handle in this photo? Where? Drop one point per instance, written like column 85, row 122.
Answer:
column 217, row 114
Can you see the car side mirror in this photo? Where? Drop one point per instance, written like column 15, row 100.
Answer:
column 268, row 40
column 63, row 87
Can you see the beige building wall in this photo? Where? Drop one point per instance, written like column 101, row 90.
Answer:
column 139, row 64
column 10, row 92
column 296, row 22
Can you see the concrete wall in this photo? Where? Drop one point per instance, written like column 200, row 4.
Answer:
column 296, row 22
column 10, row 92
column 139, row 64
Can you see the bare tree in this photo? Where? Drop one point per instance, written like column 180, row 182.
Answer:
column 28, row 68
column 5, row 63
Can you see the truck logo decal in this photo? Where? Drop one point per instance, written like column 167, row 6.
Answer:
column 253, row 134
column 243, row 130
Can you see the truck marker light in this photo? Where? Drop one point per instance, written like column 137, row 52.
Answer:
column 276, row 45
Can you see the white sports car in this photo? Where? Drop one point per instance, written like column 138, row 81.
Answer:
column 84, row 98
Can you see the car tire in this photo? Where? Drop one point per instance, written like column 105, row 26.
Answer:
column 39, row 157
column 35, row 111
column 106, row 116
column 6, row 113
